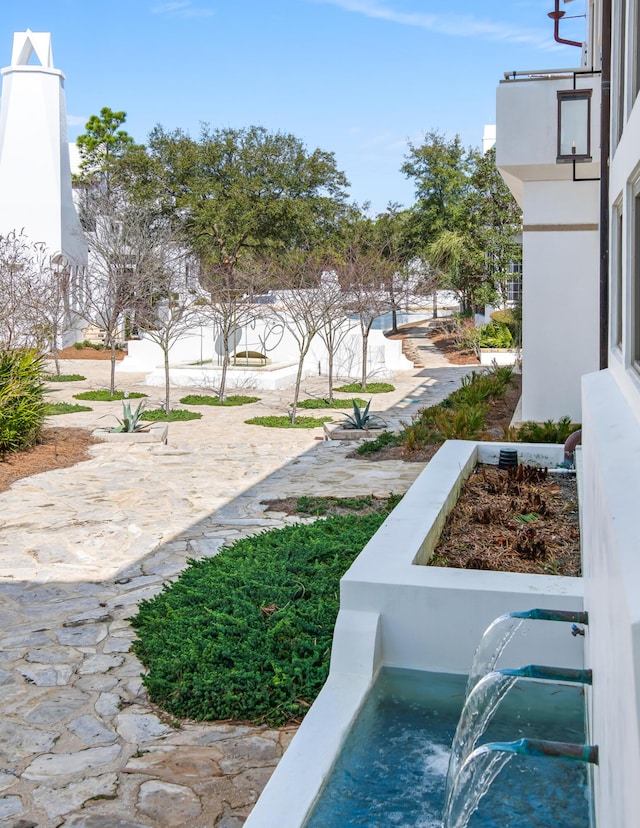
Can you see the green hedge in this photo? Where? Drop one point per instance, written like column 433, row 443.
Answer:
column 22, row 407
column 247, row 635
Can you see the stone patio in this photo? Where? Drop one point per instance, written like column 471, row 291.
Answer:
column 80, row 744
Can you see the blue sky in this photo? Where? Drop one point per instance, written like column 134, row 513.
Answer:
column 359, row 78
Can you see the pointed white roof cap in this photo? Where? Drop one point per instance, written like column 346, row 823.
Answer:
column 26, row 44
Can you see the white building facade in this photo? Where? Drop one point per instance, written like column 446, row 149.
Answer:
column 35, row 175
column 601, row 309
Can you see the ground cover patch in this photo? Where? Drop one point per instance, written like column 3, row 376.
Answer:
column 203, row 399
column 104, row 395
column 64, row 377
column 175, row 415
column 52, row 409
column 284, row 421
column 372, row 388
column 323, row 403
column 247, row 635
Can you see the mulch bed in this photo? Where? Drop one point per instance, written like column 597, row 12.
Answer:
column 60, row 447
column 88, row 353
column 522, row 520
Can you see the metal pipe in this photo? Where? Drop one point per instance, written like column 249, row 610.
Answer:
column 539, row 671
column 556, row 15
column 542, row 747
column 605, row 152
column 575, row 617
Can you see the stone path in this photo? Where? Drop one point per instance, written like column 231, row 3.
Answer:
column 80, row 745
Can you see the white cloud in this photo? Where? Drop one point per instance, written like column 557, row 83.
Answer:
column 182, row 8
column 450, row 24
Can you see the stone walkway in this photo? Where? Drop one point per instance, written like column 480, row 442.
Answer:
column 80, row 744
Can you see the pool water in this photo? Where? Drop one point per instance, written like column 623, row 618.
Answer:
column 392, row 770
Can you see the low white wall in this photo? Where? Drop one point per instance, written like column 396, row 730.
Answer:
column 384, row 356
column 401, row 614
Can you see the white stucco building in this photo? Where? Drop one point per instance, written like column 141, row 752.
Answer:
column 579, row 317
column 35, row 174
column 556, row 183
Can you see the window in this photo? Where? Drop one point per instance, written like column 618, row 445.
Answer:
column 617, row 269
column 574, row 125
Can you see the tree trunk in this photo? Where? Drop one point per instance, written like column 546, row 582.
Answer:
column 330, row 372
column 365, row 343
column 296, row 390
column 435, row 304
column 167, row 383
column 225, row 365
column 113, row 366
column 394, row 321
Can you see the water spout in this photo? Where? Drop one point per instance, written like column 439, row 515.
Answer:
column 485, row 763
column 543, row 747
column 576, row 617
column 500, row 632
column 483, row 701
column 539, row 671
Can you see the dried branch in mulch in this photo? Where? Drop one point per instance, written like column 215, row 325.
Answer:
column 521, row 520
column 59, row 448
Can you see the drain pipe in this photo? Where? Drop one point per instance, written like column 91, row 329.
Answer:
column 556, row 15
column 541, row 747
column 605, row 151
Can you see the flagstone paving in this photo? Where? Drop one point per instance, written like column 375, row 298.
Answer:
column 80, row 744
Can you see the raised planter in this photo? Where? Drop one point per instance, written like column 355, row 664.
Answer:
column 500, row 356
column 337, row 432
column 155, row 433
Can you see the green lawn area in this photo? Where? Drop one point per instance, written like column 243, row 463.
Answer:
column 247, row 635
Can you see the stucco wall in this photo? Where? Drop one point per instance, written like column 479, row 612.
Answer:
column 611, row 553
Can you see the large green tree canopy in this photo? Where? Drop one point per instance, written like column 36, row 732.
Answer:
column 245, row 190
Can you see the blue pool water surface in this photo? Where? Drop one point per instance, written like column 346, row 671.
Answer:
column 392, row 770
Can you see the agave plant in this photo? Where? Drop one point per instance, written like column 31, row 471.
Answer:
column 362, row 419
column 131, row 420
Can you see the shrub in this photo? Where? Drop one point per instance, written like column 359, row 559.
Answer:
column 386, row 438
column 246, row 635
column 547, row 432
column 52, row 409
column 104, row 395
column 464, row 423
column 495, row 335
column 22, row 407
column 159, row 415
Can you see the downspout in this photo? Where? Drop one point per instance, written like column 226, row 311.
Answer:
column 556, row 15
column 605, row 149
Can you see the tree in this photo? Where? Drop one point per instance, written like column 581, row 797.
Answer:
column 365, row 267
column 245, row 190
column 125, row 264
column 441, row 169
column 23, row 273
column 334, row 325
column 101, row 146
column 300, row 296
column 164, row 309
column 229, row 299
column 496, row 222
column 242, row 194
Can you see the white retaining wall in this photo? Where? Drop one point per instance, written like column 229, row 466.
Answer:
column 394, row 612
